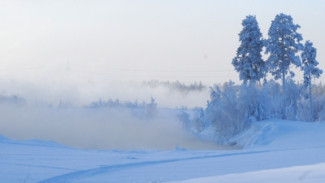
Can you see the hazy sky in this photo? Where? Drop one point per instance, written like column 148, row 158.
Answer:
column 62, row 43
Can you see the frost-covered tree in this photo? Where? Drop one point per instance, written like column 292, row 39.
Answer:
column 231, row 109
column 293, row 93
column 309, row 66
column 248, row 61
column 283, row 45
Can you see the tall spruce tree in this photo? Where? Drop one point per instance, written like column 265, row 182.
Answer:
column 283, row 45
column 248, row 61
column 309, row 66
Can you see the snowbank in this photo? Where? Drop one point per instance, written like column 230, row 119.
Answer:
column 279, row 134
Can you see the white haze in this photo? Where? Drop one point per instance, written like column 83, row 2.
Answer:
column 97, row 128
column 80, row 94
column 40, row 116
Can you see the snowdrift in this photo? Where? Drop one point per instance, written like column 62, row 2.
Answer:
column 277, row 133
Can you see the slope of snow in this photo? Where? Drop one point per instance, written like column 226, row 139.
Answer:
column 282, row 134
column 308, row 173
column 274, row 151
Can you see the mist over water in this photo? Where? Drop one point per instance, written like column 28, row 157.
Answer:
column 97, row 128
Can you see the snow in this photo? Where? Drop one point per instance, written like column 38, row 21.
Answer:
column 280, row 134
column 307, row 173
column 272, row 151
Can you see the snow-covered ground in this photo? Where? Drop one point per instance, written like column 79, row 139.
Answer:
column 273, row 151
column 306, row 173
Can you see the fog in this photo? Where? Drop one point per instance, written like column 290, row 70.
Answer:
column 81, row 94
column 96, row 128
column 52, row 116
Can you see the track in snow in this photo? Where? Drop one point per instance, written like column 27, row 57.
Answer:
column 105, row 169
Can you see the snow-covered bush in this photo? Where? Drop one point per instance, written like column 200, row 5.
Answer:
column 193, row 120
column 321, row 115
column 318, row 94
column 293, row 95
column 318, row 103
column 303, row 113
column 271, row 100
column 231, row 109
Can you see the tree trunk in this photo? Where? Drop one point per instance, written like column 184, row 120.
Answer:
column 310, row 100
column 284, row 112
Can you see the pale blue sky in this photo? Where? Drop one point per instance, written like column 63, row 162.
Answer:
column 89, row 43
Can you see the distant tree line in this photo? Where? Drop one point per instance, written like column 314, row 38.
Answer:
column 176, row 86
